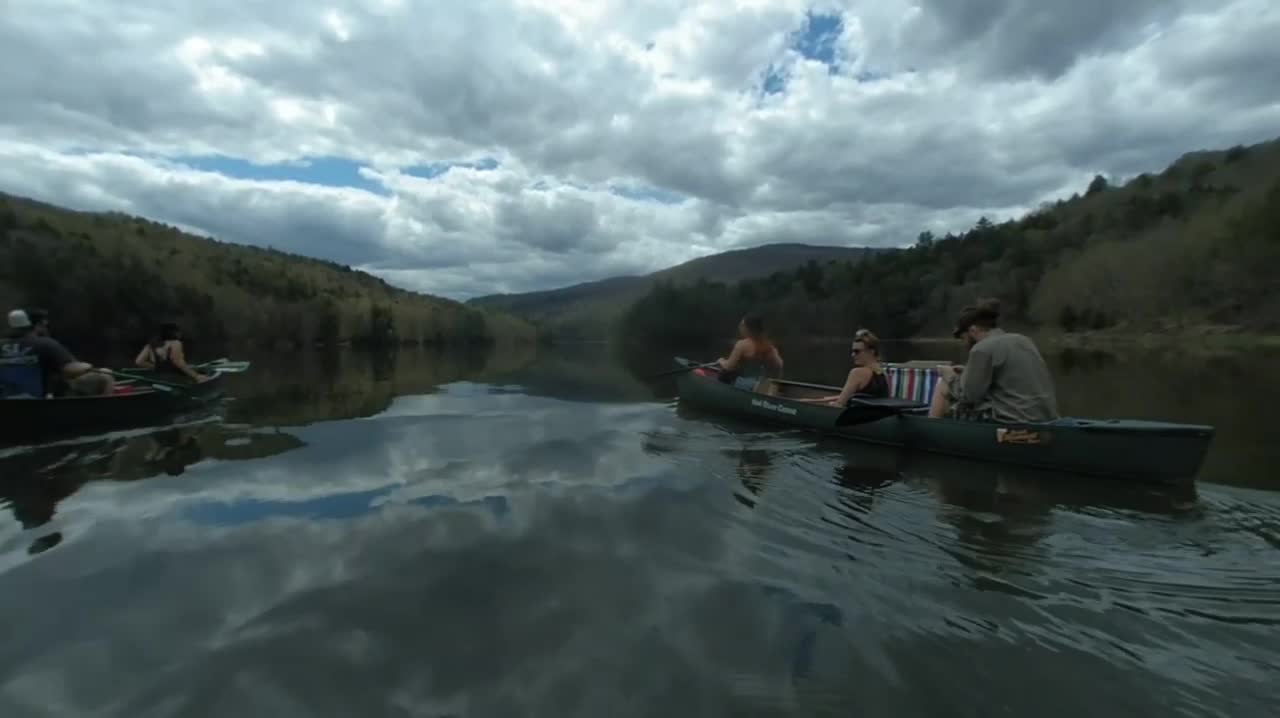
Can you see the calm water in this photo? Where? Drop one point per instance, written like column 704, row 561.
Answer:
column 505, row 535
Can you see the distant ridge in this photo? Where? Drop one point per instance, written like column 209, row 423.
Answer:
column 588, row 310
column 1189, row 251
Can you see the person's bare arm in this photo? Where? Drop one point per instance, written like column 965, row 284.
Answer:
column 858, row 379
column 735, row 356
column 144, row 360
column 180, row 360
column 52, row 351
column 71, row 370
column 852, row 385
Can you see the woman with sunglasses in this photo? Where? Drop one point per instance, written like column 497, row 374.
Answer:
column 867, row 378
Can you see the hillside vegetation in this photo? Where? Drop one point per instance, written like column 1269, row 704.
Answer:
column 109, row 278
column 1194, row 247
column 591, row 309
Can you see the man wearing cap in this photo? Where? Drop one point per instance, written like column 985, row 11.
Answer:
column 34, row 364
column 1005, row 379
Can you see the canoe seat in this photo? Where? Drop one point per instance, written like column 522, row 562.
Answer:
column 916, row 383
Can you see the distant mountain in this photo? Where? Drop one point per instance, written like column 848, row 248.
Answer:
column 1191, row 250
column 588, row 310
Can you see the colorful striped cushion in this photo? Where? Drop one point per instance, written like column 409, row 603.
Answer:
column 915, row 383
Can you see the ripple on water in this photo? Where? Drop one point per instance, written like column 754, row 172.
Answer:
column 1184, row 588
column 483, row 552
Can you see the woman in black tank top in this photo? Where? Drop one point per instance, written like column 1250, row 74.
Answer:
column 164, row 354
column 867, row 378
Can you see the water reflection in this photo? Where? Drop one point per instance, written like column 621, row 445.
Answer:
column 580, row 372
column 1070, row 360
column 753, row 468
column 307, row 387
column 450, row 537
column 37, row 480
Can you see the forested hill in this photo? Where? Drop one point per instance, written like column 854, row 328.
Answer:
column 108, row 278
column 1193, row 247
column 589, row 310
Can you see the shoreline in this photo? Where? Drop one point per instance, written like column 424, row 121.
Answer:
column 1101, row 340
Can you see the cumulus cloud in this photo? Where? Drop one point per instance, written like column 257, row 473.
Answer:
column 511, row 145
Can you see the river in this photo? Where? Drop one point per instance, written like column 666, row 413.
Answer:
column 521, row 534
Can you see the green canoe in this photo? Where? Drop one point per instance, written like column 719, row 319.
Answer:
column 136, row 403
column 1114, row 448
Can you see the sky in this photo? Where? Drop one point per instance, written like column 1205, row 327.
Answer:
column 464, row 149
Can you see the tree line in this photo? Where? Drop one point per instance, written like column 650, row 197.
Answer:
column 1195, row 246
column 109, row 278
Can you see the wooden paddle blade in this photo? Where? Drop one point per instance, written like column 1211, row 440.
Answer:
column 863, row 411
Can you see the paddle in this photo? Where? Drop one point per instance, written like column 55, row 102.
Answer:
column 683, row 369
column 224, row 366
column 865, row 411
column 153, row 382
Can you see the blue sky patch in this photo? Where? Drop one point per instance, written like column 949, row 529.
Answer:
column 435, row 169
column 327, row 171
column 817, row 39
column 775, row 80
column 645, row 193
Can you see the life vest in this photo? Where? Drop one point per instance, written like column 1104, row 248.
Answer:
column 20, row 371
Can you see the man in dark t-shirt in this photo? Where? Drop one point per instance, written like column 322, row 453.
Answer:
column 32, row 363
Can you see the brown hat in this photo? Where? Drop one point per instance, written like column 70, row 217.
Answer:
column 984, row 313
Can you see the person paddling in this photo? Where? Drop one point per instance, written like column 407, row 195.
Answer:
column 867, row 377
column 1004, row 380
column 165, row 353
column 34, row 364
column 754, row 358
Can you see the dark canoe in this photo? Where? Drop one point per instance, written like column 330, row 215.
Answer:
column 35, row 420
column 1113, row 448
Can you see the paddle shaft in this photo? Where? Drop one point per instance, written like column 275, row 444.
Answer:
column 224, row 366
column 148, row 380
column 684, row 369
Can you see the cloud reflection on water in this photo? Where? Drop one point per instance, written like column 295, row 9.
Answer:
column 473, row 552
